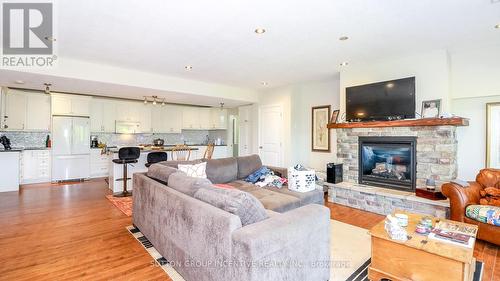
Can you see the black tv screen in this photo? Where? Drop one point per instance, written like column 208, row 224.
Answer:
column 387, row 100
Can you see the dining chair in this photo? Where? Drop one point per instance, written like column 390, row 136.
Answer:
column 181, row 152
column 209, row 151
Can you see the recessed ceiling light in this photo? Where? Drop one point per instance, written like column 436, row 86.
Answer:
column 19, row 82
column 188, row 67
column 343, row 38
column 344, row 63
column 497, row 26
column 260, row 30
column 263, row 83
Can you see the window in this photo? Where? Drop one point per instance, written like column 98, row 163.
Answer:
column 493, row 135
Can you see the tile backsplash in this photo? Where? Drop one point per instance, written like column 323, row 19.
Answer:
column 37, row 139
column 26, row 139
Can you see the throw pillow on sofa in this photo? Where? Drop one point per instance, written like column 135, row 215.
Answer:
column 160, row 172
column 195, row 170
column 242, row 204
column 187, row 185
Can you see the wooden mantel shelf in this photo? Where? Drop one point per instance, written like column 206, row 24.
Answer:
column 456, row 121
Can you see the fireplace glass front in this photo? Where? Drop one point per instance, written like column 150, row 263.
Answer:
column 387, row 162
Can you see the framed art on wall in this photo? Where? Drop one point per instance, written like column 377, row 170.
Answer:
column 493, row 135
column 320, row 139
column 335, row 116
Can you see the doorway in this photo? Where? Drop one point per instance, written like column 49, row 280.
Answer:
column 271, row 135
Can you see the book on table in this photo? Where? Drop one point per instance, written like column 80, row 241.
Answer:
column 454, row 233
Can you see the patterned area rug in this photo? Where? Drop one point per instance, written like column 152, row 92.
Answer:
column 350, row 249
column 123, row 204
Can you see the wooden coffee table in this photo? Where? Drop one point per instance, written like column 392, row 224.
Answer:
column 418, row 258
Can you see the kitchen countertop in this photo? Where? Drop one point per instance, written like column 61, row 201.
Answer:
column 24, row 148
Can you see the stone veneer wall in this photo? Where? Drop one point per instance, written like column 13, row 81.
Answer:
column 436, row 150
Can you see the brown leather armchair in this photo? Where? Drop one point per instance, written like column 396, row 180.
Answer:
column 461, row 197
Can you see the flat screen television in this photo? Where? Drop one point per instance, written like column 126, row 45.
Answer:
column 388, row 100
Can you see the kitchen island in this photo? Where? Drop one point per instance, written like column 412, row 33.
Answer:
column 116, row 170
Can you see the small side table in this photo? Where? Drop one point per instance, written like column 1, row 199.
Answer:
column 418, row 258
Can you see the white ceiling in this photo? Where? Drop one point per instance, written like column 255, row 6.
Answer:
column 301, row 43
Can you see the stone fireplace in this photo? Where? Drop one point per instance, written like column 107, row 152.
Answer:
column 388, row 162
column 384, row 162
column 435, row 151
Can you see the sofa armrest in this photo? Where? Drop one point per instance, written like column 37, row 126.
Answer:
column 291, row 229
column 460, row 197
column 279, row 171
column 290, row 246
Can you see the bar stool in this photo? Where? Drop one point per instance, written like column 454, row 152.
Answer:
column 126, row 155
column 155, row 157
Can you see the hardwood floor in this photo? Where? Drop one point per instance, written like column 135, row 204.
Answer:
column 68, row 232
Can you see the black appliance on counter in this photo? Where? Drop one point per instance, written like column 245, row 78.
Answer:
column 94, row 142
column 334, row 173
column 6, row 142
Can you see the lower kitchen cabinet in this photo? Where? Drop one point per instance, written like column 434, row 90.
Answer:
column 99, row 163
column 35, row 166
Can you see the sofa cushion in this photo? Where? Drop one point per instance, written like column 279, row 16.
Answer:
column 311, row 197
column 187, row 185
column 174, row 164
column 222, row 170
column 160, row 172
column 271, row 200
column 248, row 165
column 234, row 201
column 484, row 214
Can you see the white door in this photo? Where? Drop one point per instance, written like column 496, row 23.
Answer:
column 270, row 137
column 61, row 135
column 81, row 136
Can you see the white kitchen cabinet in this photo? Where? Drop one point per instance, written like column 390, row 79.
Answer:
column 15, row 111
column 37, row 112
column 71, row 105
column 102, row 115
column 9, row 174
column 190, row 118
column 173, row 119
column 26, row 111
column 99, row 163
column 204, row 118
column 157, row 119
column 96, row 116
column 35, row 166
column 144, row 117
column 218, row 118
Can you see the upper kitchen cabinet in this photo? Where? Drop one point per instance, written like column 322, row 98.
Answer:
column 218, row 118
column 37, row 112
column 204, row 118
column 144, row 117
column 26, row 111
column 72, row 105
column 166, row 119
column 173, row 119
column 102, row 116
column 14, row 117
column 200, row 118
column 190, row 118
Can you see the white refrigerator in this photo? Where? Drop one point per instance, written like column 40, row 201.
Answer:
column 70, row 148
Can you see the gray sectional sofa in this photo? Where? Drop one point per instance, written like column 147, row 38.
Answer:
column 205, row 242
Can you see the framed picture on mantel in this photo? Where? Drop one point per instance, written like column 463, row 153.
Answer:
column 320, row 139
